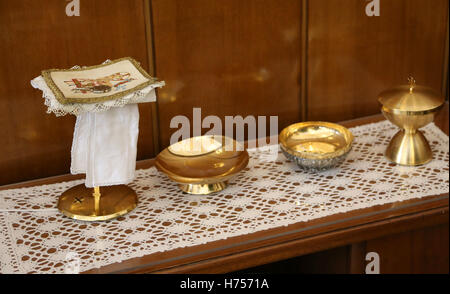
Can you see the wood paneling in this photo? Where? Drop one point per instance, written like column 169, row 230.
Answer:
column 415, row 252
column 332, row 261
column 228, row 57
column 36, row 36
column 423, row 251
column 353, row 57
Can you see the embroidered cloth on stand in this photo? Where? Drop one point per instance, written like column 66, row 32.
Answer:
column 36, row 238
column 104, row 98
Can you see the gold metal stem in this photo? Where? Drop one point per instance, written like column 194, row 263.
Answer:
column 203, row 189
column 97, row 196
column 409, row 148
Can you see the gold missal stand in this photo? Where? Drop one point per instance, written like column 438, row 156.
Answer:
column 93, row 204
column 90, row 90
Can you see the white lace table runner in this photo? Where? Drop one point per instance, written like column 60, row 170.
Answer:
column 36, row 238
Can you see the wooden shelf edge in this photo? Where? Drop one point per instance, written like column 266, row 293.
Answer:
column 277, row 252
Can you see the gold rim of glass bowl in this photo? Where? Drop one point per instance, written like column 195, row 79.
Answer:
column 316, row 145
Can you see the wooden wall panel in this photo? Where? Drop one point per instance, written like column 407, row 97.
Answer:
column 422, row 251
column 332, row 261
column 229, row 57
column 352, row 57
column 36, row 36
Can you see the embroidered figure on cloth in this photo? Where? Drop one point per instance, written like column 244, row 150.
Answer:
column 115, row 82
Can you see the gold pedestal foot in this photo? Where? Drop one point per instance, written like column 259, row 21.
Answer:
column 97, row 204
column 203, row 189
column 409, row 148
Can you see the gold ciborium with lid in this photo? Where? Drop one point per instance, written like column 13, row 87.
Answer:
column 410, row 107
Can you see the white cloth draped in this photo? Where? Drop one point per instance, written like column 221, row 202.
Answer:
column 105, row 145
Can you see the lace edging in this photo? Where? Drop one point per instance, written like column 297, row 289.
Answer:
column 59, row 109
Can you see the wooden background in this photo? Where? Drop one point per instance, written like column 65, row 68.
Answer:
column 296, row 59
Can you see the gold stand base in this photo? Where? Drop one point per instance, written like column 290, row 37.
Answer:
column 203, row 189
column 409, row 149
column 80, row 203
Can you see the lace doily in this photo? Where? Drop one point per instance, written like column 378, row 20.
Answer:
column 36, row 238
column 53, row 105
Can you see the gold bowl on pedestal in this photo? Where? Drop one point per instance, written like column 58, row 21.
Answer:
column 409, row 107
column 203, row 164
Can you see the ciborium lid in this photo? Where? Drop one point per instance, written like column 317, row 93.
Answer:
column 410, row 98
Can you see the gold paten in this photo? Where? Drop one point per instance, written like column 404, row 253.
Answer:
column 410, row 107
column 97, row 204
column 316, row 145
column 202, row 165
column 196, row 146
